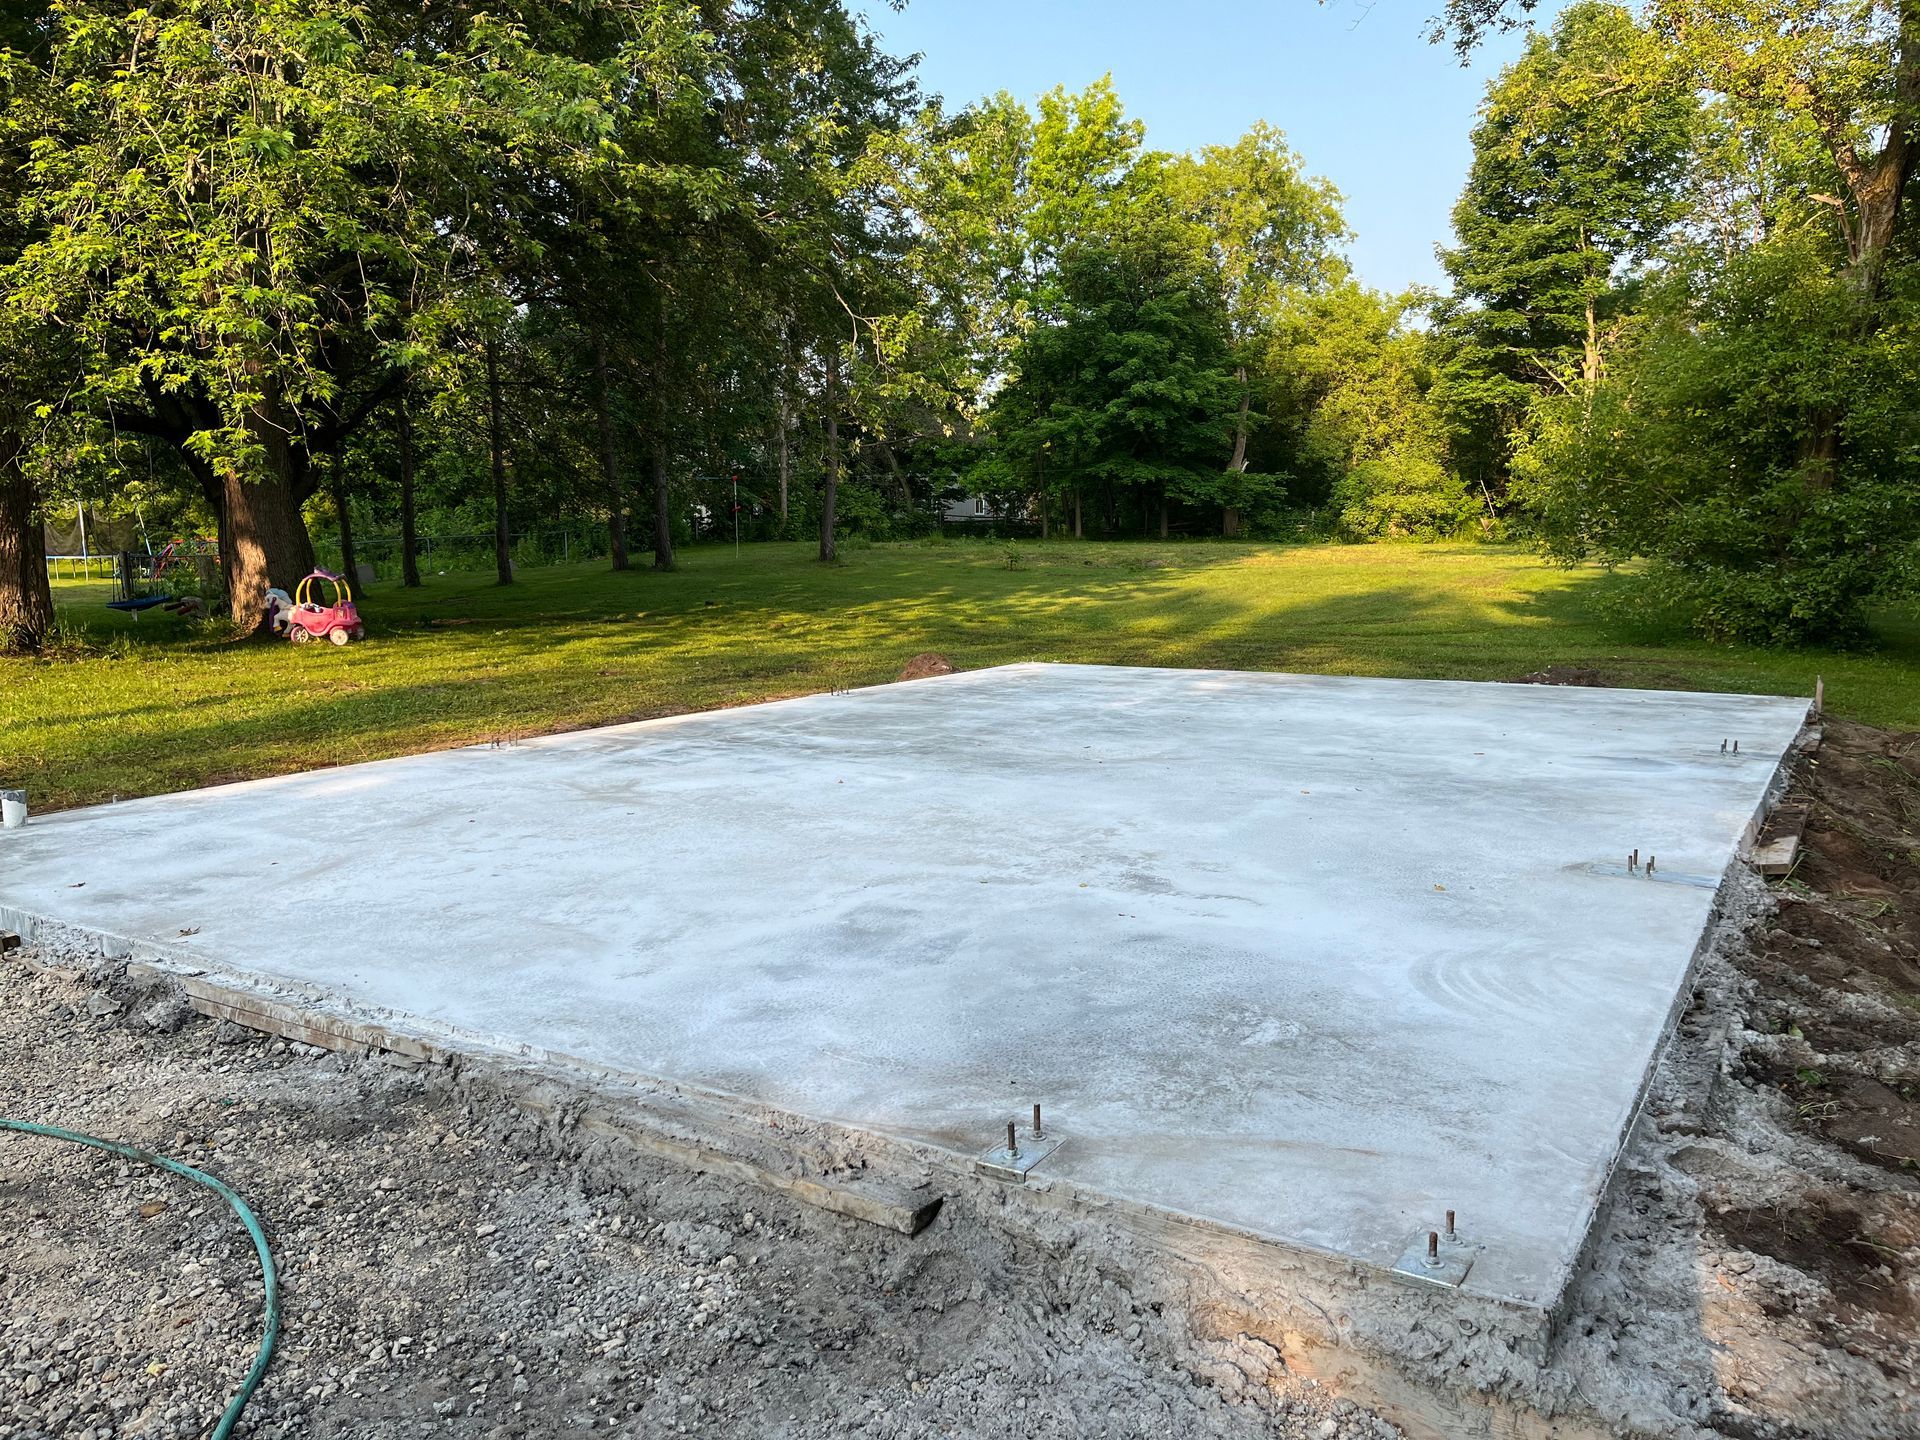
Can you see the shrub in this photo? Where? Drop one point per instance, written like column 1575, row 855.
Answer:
column 1755, row 442
column 1401, row 497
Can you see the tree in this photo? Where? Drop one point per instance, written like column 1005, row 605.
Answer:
column 1129, row 387
column 259, row 213
column 1850, row 69
column 26, row 598
column 1694, row 454
column 1575, row 181
column 1270, row 232
column 1349, row 382
column 1746, row 437
column 1071, row 261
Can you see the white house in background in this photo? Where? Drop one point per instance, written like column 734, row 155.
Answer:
column 968, row 507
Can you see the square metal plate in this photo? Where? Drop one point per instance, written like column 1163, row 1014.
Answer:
column 1448, row 1269
column 998, row 1163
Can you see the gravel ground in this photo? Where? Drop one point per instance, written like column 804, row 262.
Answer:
column 440, row 1277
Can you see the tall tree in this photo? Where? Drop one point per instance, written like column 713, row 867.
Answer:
column 1746, row 437
column 1577, row 163
column 1270, row 231
column 26, row 598
column 257, row 208
column 1128, row 387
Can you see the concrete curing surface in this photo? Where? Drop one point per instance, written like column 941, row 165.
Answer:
column 1316, row 958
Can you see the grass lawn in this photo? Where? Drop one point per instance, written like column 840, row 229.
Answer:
column 162, row 706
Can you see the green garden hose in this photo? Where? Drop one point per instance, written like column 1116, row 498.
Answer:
column 247, row 1218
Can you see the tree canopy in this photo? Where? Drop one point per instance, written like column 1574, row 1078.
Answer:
column 302, row 274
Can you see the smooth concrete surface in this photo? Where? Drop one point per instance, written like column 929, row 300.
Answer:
column 1318, row 958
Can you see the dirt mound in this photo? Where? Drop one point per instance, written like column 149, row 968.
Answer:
column 1562, row 675
column 926, row 663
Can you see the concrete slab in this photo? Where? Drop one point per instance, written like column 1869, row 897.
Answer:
column 1311, row 958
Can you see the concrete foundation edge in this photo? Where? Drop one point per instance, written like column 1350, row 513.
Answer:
column 1349, row 1324
column 1339, row 1320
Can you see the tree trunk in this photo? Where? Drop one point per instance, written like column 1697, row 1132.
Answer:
column 662, row 497
column 1040, row 493
column 785, row 442
column 1820, row 448
column 662, row 507
column 1880, row 189
column 1230, row 514
column 26, row 599
column 349, row 561
column 1078, row 532
column 263, row 542
column 496, row 443
column 263, row 538
column 786, row 456
column 1163, row 512
column 409, row 528
column 830, row 492
column 1590, row 365
column 609, row 457
column 1238, row 463
column 900, row 480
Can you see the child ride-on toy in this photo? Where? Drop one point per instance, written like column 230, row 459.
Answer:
column 307, row 619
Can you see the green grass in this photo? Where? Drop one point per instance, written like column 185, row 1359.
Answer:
column 160, row 705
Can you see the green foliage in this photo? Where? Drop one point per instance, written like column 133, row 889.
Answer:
column 1130, row 384
column 1147, row 287
column 1348, row 379
column 244, row 209
column 1741, row 421
column 1404, row 497
column 663, row 242
column 1577, row 160
column 1705, row 451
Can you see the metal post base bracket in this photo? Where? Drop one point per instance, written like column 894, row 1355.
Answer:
column 1659, row 877
column 1448, row 1268
column 1003, row 1164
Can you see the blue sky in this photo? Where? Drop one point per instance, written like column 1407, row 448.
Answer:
column 1363, row 97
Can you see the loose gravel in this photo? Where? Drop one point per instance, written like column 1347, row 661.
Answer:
column 441, row 1278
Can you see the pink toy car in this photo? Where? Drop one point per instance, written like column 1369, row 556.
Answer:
column 310, row 620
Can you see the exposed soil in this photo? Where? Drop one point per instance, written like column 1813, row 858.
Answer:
column 1829, row 1053
column 1826, row 1237
column 444, row 1274
column 925, row 664
column 1562, row 675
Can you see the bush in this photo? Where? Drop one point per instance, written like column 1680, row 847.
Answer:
column 1755, row 443
column 1400, row 497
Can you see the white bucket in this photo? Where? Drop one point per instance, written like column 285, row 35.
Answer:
column 13, row 809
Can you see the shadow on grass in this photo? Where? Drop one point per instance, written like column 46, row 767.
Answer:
column 571, row 648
